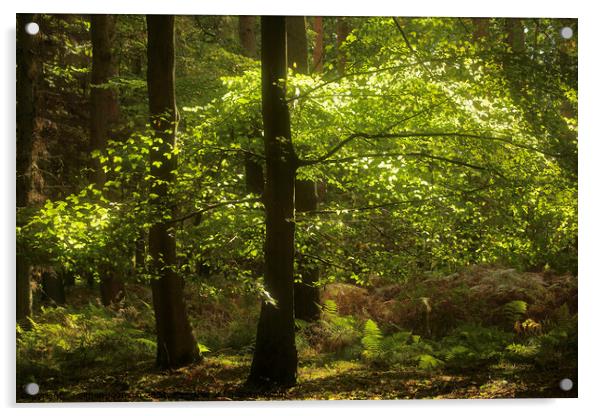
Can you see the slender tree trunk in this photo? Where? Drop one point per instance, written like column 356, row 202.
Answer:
column 307, row 294
column 515, row 35
column 296, row 41
column 53, row 289
column 103, row 100
column 342, row 33
column 27, row 73
column 275, row 358
column 246, row 34
column 176, row 345
column 103, row 114
column 318, row 54
column 140, row 253
column 254, row 178
column 481, row 28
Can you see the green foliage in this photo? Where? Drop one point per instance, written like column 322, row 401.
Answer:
column 472, row 346
column 371, row 340
column 61, row 340
column 515, row 310
column 334, row 333
column 428, row 362
column 454, row 171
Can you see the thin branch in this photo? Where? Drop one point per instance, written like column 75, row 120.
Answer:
column 327, row 262
column 409, row 45
column 212, row 207
column 407, row 154
column 400, row 135
column 367, row 207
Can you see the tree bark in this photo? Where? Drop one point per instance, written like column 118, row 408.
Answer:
column 318, row 53
column 27, row 73
column 481, row 28
column 342, row 33
column 307, row 294
column 53, row 289
column 176, row 345
column 296, row 41
column 104, row 106
column 246, row 34
column 104, row 103
column 275, row 358
column 254, row 178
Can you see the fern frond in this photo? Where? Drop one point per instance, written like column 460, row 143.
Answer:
column 515, row 310
column 372, row 339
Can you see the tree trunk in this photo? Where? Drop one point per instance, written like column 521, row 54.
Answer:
column 140, row 253
column 342, row 33
column 254, row 179
column 515, row 35
column 307, row 294
column 246, row 34
column 296, row 41
column 176, row 345
column 104, row 106
column 481, row 28
column 53, row 289
column 112, row 289
column 103, row 100
column 27, row 73
column 318, row 54
column 275, row 358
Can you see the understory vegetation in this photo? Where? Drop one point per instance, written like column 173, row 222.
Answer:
column 454, row 336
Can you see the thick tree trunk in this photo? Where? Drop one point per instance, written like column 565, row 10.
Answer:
column 307, row 294
column 318, row 54
column 176, row 345
column 275, row 358
column 246, row 34
column 104, row 107
column 27, row 73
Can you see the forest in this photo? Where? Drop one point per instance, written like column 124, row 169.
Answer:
column 295, row 208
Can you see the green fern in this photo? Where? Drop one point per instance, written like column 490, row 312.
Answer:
column 515, row 310
column 330, row 308
column 428, row 362
column 372, row 339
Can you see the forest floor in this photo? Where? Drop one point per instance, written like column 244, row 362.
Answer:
column 221, row 378
column 84, row 352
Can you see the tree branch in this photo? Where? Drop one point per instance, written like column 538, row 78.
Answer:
column 409, row 45
column 400, row 135
column 408, row 154
column 214, row 206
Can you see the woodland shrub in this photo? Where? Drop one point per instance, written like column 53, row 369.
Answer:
column 61, row 340
column 432, row 305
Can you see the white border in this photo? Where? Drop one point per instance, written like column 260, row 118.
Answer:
column 590, row 230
